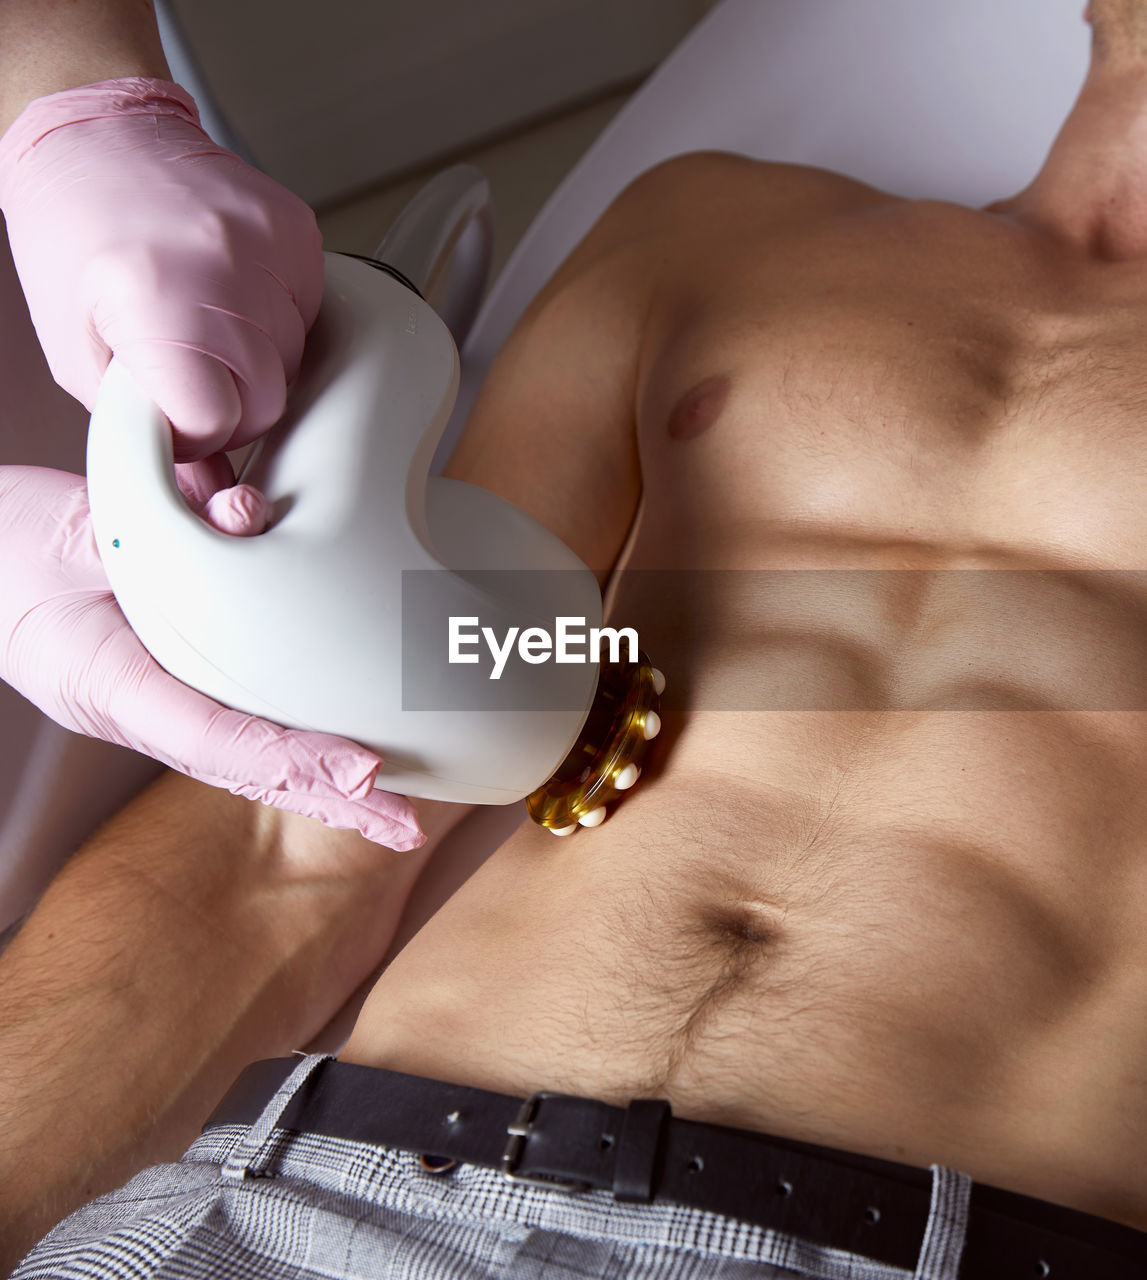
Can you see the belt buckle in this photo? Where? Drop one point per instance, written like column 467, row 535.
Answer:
column 518, row 1134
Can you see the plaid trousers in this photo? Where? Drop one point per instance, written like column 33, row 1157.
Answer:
column 267, row 1203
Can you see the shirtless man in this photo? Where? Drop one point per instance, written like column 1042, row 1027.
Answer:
column 897, row 903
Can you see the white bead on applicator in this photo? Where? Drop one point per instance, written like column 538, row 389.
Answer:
column 627, row 774
column 627, row 777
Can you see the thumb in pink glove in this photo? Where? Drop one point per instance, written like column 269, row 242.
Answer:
column 134, row 234
column 65, row 645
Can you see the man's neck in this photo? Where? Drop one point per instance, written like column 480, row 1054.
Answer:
column 1092, row 189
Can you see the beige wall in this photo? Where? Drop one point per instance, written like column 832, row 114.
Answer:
column 335, row 95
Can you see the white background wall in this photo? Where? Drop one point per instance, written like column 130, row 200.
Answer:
column 333, row 96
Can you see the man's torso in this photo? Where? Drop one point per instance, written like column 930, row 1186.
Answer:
column 884, row 885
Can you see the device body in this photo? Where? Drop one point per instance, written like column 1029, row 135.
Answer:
column 305, row 624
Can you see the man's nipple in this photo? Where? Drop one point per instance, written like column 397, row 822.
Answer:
column 699, row 408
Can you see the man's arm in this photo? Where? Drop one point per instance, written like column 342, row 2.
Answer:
column 554, row 428
column 195, row 932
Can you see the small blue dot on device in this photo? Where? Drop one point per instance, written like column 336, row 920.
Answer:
column 115, row 542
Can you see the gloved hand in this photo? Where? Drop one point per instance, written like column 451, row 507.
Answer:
column 133, row 233
column 65, row 645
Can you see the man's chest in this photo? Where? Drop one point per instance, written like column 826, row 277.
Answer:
column 902, row 391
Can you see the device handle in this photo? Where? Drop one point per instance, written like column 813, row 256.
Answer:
column 443, row 243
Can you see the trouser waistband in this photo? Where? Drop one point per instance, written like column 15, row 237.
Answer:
column 935, row 1223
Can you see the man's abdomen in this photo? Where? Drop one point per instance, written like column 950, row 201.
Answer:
column 879, row 919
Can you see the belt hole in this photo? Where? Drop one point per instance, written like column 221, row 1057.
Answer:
column 1042, row 1268
column 784, row 1187
column 696, row 1164
column 436, row 1164
column 872, row 1214
column 606, row 1141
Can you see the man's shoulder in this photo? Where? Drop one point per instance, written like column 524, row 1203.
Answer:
column 672, row 214
column 701, row 191
column 691, row 167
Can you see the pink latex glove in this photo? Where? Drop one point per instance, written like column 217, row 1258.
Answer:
column 133, row 233
column 65, row 645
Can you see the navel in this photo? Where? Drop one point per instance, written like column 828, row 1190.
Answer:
column 699, row 408
column 746, row 925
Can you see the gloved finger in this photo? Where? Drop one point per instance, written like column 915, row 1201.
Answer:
column 218, row 375
column 306, row 287
column 268, row 307
column 384, row 818
column 241, row 511
column 211, row 398
column 313, row 774
column 198, row 736
column 198, row 481
column 273, row 307
column 209, row 486
column 212, row 403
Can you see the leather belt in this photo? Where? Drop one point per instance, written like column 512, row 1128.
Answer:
column 642, row 1154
